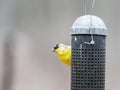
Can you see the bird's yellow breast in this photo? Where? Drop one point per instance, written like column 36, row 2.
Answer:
column 64, row 54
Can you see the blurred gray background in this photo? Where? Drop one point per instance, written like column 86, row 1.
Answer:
column 30, row 28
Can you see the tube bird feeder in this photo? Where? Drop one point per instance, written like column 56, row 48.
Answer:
column 88, row 53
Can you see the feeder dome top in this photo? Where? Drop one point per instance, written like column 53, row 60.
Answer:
column 89, row 24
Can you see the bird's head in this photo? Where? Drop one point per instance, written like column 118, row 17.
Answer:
column 58, row 47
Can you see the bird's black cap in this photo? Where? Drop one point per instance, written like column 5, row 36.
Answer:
column 56, row 46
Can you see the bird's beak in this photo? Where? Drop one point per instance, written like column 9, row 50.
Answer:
column 53, row 50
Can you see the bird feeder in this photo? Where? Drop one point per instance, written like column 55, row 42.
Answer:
column 88, row 53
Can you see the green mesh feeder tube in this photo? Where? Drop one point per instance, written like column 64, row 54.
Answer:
column 88, row 53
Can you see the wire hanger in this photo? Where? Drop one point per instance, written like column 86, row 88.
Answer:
column 92, row 7
column 91, row 12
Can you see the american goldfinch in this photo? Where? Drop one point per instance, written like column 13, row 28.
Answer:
column 63, row 52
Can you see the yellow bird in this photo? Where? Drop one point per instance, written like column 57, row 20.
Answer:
column 63, row 52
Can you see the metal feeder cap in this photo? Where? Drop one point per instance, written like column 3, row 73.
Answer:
column 89, row 24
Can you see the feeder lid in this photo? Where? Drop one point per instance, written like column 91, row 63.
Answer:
column 89, row 24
